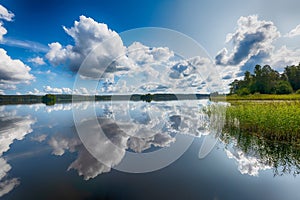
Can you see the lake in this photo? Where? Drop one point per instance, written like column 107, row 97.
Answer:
column 136, row 150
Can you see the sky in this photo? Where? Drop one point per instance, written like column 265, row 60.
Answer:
column 43, row 44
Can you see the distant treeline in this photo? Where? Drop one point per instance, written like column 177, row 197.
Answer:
column 266, row 80
column 51, row 99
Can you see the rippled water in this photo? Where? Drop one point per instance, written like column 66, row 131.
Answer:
column 44, row 154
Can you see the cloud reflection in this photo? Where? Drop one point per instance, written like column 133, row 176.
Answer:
column 12, row 127
column 136, row 128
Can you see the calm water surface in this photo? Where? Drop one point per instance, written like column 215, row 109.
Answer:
column 42, row 156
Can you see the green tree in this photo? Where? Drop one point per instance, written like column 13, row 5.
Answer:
column 293, row 75
column 284, row 87
column 49, row 99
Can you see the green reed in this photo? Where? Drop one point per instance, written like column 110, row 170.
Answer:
column 277, row 121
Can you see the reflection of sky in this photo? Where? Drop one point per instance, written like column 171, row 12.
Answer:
column 133, row 126
column 12, row 127
column 53, row 127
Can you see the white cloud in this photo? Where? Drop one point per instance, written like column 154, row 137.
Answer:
column 254, row 42
column 283, row 57
column 35, row 92
column 3, row 31
column 87, row 34
column 39, row 138
column 49, row 89
column 294, row 32
column 252, row 37
column 134, row 66
column 5, row 14
column 37, row 60
column 12, row 71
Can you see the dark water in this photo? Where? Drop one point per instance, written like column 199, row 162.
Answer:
column 42, row 156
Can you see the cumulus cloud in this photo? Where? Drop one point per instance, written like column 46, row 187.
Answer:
column 37, row 60
column 252, row 37
column 3, row 31
column 122, row 69
column 294, row 32
column 12, row 71
column 64, row 90
column 35, row 92
column 5, row 14
column 254, row 42
column 87, row 34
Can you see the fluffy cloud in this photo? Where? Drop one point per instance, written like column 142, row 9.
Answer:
column 254, row 42
column 87, row 35
column 3, row 31
column 12, row 71
column 49, row 89
column 37, row 60
column 5, row 14
column 129, row 69
column 294, row 32
column 252, row 37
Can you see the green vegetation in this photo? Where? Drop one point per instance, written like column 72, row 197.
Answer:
column 19, row 99
column 267, row 130
column 49, row 99
column 256, row 96
column 276, row 121
column 265, row 80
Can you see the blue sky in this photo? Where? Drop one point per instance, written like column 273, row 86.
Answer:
column 272, row 37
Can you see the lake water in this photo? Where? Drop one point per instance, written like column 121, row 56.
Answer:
column 44, row 154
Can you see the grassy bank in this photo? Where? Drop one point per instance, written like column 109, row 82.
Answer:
column 277, row 121
column 235, row 97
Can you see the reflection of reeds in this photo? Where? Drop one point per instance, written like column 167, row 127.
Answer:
column 270, row 130
column 277, row 121
column 284, row 158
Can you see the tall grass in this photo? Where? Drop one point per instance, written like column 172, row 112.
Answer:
column 277, row 121
column 235, row 97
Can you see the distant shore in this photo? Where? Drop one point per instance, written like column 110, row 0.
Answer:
column 51, row 99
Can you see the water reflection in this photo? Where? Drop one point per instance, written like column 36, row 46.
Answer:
column 131, row 128
column 253, row 153
column 12, row 127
